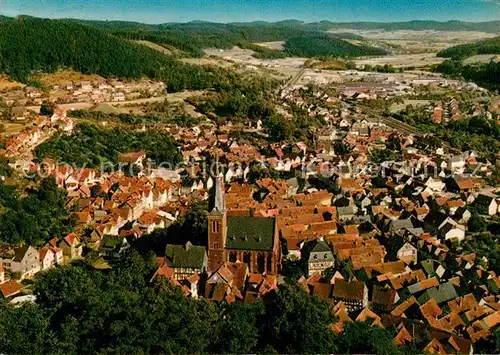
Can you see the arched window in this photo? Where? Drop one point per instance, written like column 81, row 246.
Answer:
column 215, row 226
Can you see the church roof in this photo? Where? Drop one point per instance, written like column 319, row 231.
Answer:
column 250, row 233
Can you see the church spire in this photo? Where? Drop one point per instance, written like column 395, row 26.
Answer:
column 219, row 203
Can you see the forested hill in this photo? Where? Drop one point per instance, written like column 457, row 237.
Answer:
column 31, row 44
column 323, row 45
column 192, row 38
column 487, row 46
column 417, row 25
column 453, row 25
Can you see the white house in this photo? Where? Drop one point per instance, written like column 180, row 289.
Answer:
column 408, row 253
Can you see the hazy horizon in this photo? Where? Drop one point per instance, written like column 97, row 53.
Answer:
column 223, row 11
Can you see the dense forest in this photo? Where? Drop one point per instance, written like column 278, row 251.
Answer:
column 192, row 38
column 487, row 75
column 31, row 44
column 93, row 147
column 35, row 217
column 487, row 46
column 83, row 310
column 326, row 45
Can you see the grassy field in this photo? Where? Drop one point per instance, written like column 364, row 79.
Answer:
column 482, row 58
column 7, row 84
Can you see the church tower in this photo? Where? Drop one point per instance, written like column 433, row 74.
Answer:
column 217, row 228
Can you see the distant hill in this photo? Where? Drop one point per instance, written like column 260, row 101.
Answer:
column 193, row 37
column 31, row 44
column 487, row 46
column 491, row 26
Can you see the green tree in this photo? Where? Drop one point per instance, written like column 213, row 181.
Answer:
column 363, row 338
column 238, row 330
column 477, row 223
column 296, row 323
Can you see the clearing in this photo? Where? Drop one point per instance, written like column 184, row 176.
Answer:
column 155, row 46
column 277, row 45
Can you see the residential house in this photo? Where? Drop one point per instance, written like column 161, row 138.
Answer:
column 71, row 246
column 10, row 288
column 354, row 294
column 21, row 261
column 47, row 258
column 408, row 253
column 319, row 257
column 186, row 260
column 384, row 298
column 113, row 247
column 452, row 231
column 487, row 203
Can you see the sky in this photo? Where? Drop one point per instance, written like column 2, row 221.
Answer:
column 161, row 11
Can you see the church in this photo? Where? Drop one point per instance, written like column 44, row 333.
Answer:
column 251, row 240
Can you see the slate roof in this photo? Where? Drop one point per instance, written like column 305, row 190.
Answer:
column 443, row 293
column 320, row 251
column 187, row 256
column 399, row 224
column 250, row 233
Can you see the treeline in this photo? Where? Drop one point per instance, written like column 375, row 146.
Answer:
column 487, row 75
column 31, row 44
column 92, row 147
column 82, row 310
column 34, row 217
column 487, row 46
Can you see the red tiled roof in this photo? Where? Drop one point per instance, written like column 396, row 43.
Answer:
column 11, row 288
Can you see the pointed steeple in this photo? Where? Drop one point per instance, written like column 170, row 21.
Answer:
column 219, row 203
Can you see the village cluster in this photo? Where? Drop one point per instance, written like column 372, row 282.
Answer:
column 376, row 246
column 25, row 101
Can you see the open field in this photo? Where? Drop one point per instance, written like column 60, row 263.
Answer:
column 279, row 68
column 398, row 107
column 278, row 45
column 419, row 41
column 482, row 58
column 66, row 76
column 402, row 60
column 155, row 47
column 7, row 84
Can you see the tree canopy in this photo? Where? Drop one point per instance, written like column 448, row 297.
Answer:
column 36, row 217
column 487, row 46
column 91, row 146
column 80, row 309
